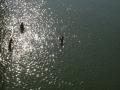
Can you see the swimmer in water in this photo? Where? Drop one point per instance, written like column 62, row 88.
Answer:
column 61, row 39
column 22, row 29
column 10, row 45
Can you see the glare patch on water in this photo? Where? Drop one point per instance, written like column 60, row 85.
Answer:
column 33, row 56
column 33, row 62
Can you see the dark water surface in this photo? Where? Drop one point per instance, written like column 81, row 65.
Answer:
column 89, row 59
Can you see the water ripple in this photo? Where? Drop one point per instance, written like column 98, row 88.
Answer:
column 34, row 54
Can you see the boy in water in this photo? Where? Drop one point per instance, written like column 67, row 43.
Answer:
column 22, row 29
column 61, row 39
column 10, row 45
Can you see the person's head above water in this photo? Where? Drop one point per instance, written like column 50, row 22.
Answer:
column 22, row 29
column 10, row 45
column 61, row 39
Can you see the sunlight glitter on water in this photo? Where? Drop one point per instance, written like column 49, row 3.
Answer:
column 21, row 11
column 32, row 50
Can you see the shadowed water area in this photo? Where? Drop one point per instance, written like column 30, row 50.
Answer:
column 59, row 45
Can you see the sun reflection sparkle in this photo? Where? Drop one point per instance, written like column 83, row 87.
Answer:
column 33, row 53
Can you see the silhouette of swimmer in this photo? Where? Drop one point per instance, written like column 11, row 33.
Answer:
column 10, row 45
column 22, row 29
column 61, row 39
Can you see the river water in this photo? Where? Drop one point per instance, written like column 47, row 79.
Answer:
column 89, row 59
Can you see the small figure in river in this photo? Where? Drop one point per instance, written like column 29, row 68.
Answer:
column 10, row 45
column 61, row 39
column 22, row 29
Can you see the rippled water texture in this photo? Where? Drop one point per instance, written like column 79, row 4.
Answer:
column 38, row 59
column 31, row 64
